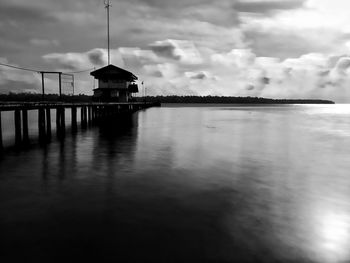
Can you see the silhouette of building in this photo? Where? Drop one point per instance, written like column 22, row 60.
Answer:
column 114, row 84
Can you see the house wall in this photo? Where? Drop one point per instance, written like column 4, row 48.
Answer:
column 113, row 84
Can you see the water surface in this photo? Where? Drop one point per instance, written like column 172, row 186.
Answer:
column 186, row 184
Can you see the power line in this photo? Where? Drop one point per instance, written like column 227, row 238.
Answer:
column 21, row 68
column 38, row 71
column 80, row 71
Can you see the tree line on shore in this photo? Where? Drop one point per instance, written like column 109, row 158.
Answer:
column 35, row 97
column 230, row 100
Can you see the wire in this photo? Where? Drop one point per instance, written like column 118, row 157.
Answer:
column 38, row 71
column 81, row 71
column 21, row 68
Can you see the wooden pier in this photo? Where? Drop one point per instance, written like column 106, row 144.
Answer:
column 91, row 113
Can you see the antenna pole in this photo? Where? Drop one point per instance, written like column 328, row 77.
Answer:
column 107, row 6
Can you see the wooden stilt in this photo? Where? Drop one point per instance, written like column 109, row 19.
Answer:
column 18, row 133
column 1, row 143
column 58, row 122
column 83, row 120
column 41, row 125
column 90, row 115
column 74, row 119
column 48, row 123
column 85, row 116
column 25, row 126
column 63, row 121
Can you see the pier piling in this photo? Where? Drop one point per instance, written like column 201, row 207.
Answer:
column 48, row 123
column 25, row 126
column 18, row 133
column 74, row 119
column 60, row 122
column 1, row 144
column 91, row 113
column 63, row 121
column 41, row 124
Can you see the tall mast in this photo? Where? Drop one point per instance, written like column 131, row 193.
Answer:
column 107, row 6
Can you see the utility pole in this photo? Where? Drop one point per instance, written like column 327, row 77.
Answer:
column 107, row 6
column 60, row 83
column 73, row 83
column 42, row 85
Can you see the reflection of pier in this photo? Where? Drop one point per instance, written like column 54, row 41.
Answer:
column 90, row 113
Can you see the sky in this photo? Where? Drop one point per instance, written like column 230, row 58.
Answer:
column 265, row 48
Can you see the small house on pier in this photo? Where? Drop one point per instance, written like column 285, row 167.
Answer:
column 114, row 84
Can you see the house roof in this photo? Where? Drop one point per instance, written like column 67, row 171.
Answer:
column 113, row 72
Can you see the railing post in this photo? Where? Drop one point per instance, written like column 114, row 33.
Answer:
column 25, row 126
column 18, row 133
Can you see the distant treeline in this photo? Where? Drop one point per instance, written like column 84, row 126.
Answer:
column 230, row 100
column 28, row 97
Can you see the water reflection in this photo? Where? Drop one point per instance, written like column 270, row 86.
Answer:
column 184, row 185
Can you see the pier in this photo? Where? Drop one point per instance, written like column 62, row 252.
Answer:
column 90, row 113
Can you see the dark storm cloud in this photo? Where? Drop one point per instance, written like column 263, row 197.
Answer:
column 14, row 14
column 171, row 3
column 165, row 49
column 199, row 75
column 96, row 57
column 323, row 73
column 265, row 80
column 250, row 87
column 263, row 7
column 157, row 74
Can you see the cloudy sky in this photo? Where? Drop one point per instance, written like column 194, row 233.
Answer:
column 269, row 48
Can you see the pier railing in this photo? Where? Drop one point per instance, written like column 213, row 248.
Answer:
column 90, row 113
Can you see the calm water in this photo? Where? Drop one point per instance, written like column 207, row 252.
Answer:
column 186, row 184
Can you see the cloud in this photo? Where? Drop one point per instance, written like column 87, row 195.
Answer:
column 165, row 49
column 181, row 50
column 14, row 14
column 196, row 75
column 229, row 47
column 75, row 61
column 43, row 42
column 97, row 57
column 342, row 65
column 269, row 6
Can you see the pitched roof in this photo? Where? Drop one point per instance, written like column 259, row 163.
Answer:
column 113, row 72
